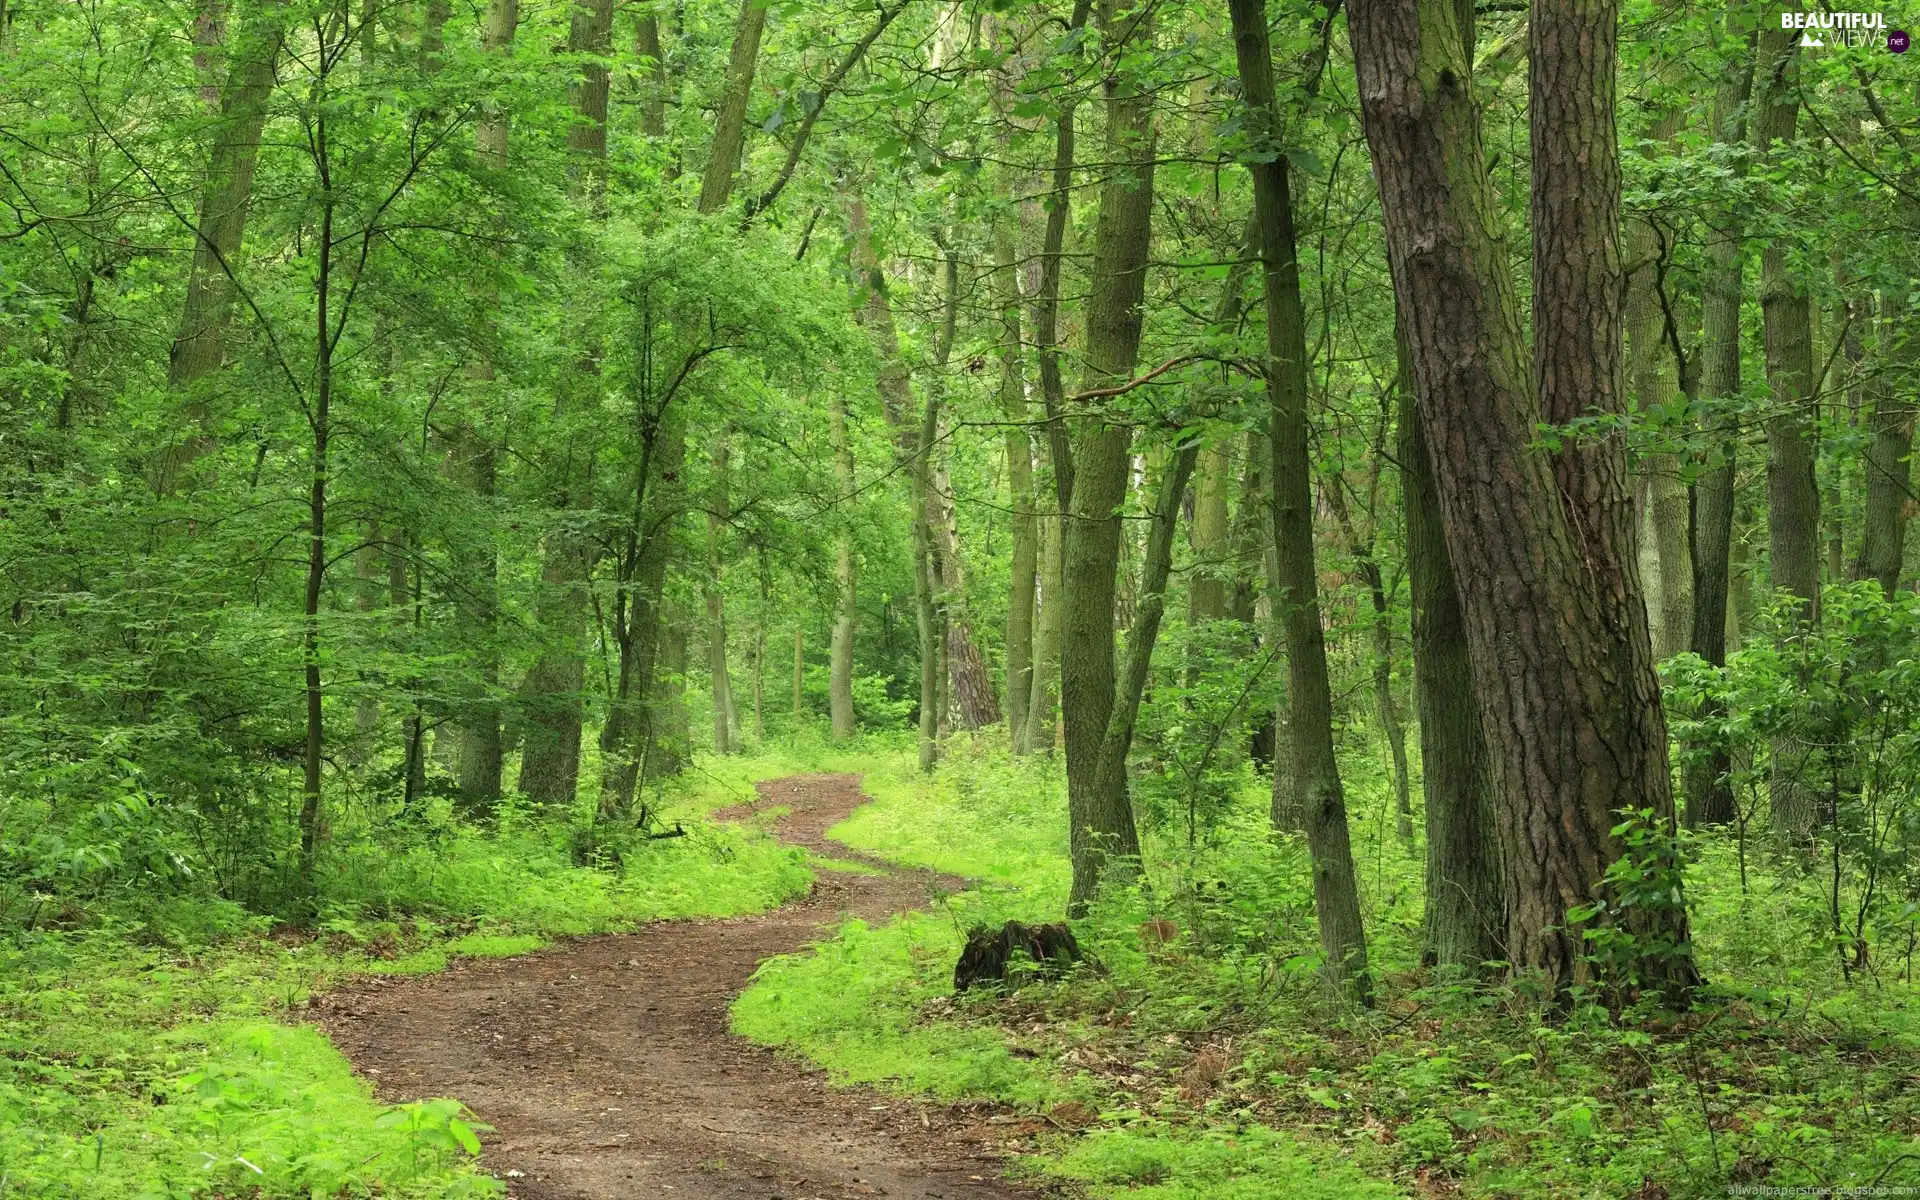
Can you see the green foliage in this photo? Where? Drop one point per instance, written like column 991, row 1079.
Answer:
column 142, row 1054
column 1214, row 1064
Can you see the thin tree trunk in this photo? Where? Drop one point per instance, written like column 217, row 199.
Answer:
column 1043, row 712
column 1709, row 791
column 1207, row 586
column 845, row 610
column 630, row 731
column 200, row 345
column 1157, row 564
column 1888, row 467
column 1025, row 551
column 320, row 420
column 1653, row 373
column 799, row 676
column 725, row 725
column 1336, row 890
column 729, row 125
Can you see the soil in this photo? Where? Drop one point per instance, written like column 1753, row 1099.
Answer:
column 606, row 1068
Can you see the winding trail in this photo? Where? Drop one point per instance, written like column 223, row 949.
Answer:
column 607, row 1070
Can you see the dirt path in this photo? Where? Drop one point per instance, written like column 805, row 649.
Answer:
column 607, row 1070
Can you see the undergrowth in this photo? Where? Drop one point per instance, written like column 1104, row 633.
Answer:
column 1217, row 1066
column 151, row 1048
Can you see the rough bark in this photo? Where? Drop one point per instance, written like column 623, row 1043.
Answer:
column 1102, row 841
column 1336, row 891
column 1563, row 678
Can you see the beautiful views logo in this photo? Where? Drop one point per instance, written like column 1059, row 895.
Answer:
column 1820, row 29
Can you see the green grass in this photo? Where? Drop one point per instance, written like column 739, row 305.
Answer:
column 1474, row 1088
column 152, row 1050
column 876, row 1006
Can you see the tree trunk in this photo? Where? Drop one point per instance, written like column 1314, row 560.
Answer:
column 627, row 737
column 552, row 693
column 1793, row 499
column 1336, row 892
column 799, row 676
column 1025, row 554
column 200, row 346
column 1709, row 791
column 1883, row 540
column 1563, row 675
column 1043, row 713
column 481, row 749
column 729, row 125
column 845, row 610
column 1207, row 586
column 1157, row 564
column 672, row 732
column 1101, row 832
column 725, row 724
column 1654, row 375
column 1466, row 913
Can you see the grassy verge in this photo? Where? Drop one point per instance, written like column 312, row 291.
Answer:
column 876, row 1005
column 150, row 1051
column 1217, row 1067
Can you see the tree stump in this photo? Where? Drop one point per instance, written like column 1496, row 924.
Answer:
column 995, row 957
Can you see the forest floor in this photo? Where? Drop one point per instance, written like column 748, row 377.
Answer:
column 606, row 1067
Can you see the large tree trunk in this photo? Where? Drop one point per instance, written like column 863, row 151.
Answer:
column 482, row 745
column 1793, row 499
column 729, row 125
column 200, row 346
column 1336, row 892
column 1709, row 790
column 1102, row 833
column 1563, row 675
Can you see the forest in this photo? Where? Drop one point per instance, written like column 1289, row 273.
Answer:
column 1082, row 598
